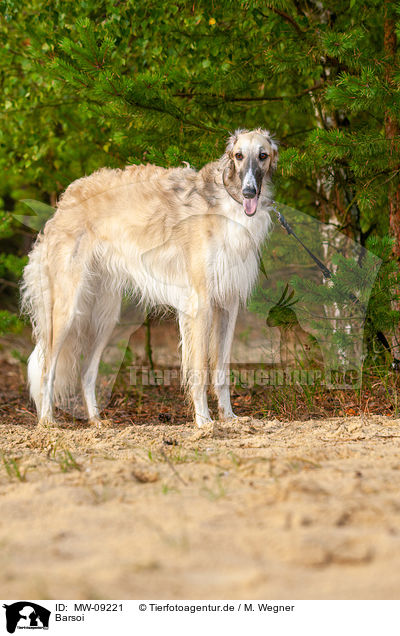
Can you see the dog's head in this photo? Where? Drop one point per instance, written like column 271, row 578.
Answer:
column 251, row 157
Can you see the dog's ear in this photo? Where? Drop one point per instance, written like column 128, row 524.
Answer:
column 230, row 177
column 274, row 158
column 227, row 158
column 232, row 139
column 228, row 170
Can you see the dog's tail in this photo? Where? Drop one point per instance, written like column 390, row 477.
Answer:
column 37, row 303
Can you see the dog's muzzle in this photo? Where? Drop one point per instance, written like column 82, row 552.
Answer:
column 250, row 200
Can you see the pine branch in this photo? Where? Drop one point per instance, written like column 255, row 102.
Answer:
column 277, row 98
column 288, row 18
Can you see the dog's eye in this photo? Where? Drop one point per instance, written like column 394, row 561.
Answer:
column 239, row 156
column 263, row 156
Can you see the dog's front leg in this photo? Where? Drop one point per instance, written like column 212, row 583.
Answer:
column 195, row 334
column 222, row 332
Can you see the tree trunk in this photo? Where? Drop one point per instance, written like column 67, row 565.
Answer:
column 148, row 347
column 392, row 131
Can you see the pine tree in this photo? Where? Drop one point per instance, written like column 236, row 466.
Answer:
column 109, row 84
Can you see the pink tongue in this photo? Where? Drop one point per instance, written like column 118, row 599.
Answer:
column 250, row 205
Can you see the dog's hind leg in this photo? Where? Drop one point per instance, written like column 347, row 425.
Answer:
column 61, row 326
column 195, row 331
column 64, row 343
column 222, row 332
column 35, row 373
column 105, row 314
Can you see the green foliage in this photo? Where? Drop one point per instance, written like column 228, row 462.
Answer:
column 11, row 466
column 95, row 83
column 8, row 322
column 381, row 315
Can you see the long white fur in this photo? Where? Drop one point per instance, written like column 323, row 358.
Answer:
column 106, row 238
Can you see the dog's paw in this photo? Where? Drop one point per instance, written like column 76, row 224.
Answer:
column 47, row 422
column 224, row 416
column 203, row 422
column 206, row 429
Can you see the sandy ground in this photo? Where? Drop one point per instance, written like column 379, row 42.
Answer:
column 245, row 509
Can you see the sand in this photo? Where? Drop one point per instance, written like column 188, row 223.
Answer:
column 244, row 509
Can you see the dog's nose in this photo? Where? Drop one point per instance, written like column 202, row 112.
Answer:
column 249, row 193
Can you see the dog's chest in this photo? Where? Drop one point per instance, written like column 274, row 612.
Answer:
column 233, row 262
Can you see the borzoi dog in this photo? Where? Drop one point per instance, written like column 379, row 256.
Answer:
column 177, row 237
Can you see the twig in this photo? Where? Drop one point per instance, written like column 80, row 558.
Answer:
column 288, row 18
column 149, row 351
column 258, row 98
column 167, row 459
column 10, row 283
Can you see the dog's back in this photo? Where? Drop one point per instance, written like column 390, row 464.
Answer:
column 157, row 231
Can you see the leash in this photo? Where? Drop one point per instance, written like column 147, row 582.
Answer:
column 328, row 274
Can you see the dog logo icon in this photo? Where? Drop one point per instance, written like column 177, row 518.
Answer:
column 26, row 615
